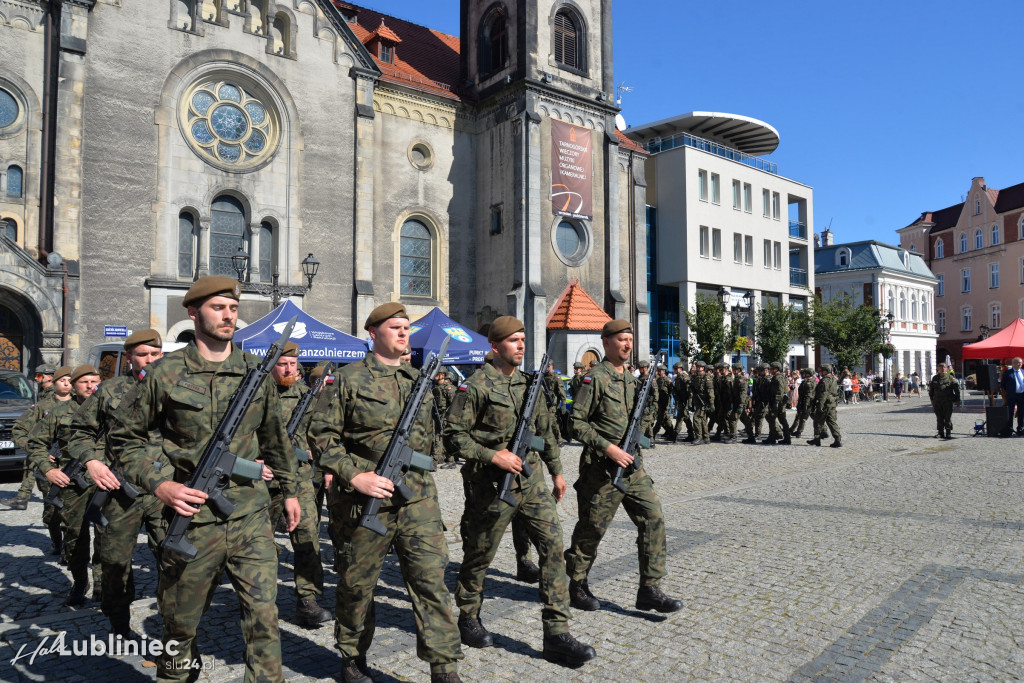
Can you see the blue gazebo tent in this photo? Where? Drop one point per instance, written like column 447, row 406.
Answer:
column 317, row 341
column 428, row 333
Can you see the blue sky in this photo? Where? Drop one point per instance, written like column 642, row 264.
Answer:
column 886, row 109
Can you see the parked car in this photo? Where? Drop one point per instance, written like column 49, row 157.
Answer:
column 17, row 394
column 111, row 360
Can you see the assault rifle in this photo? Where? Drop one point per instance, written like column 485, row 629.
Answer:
column 94, row 511
column 398, row 458
column 634, row 435
column 73, row 469
column 523, row 438
column 218, row 464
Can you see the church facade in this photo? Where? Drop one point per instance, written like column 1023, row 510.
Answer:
column 145, row 144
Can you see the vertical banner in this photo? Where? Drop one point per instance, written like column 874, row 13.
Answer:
column 572, row 189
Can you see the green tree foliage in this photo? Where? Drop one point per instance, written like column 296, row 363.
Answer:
column 847, row 330
column 710, row 339
column 774, row 328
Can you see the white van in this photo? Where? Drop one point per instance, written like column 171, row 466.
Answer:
column 111, row 360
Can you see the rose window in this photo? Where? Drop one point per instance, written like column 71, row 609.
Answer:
column 229, row 125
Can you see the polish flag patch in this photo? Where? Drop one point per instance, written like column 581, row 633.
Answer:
column 587, row 380
column 462, row 387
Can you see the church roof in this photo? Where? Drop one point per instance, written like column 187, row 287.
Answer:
column 425, row 59
column 629, row 143
column 576, row 311
column 870, row 255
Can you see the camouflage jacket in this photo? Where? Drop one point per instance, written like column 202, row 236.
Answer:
column 779, row 389
column 353, row 432
column 289, row 398
column 50, row 428
column 184, row 397
column 555, row 393
column 484, row 415
column 664, row 385
column 655, row 397
column 316, row 412
column 944, row 389
column 23, row 425
column 738, row 386
column 681, row 390
column 87, row 436
column 825, row 394
column 443, row 397
column 704, row 387
column 600, row 414
column 803, row 395
column 763, row 391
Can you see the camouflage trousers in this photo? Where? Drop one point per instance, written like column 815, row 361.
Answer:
column 115, row 546
column 683, row 417
column 700, row 424
column 484, row 521
column 777, row 418
column 756, row 417
column 438, row 452
column 305, row 538
column 943, row 415
column 744, row 419
column 663, row 423
column 244, row 547
column 722, row 421
column 28, row 480
column 825, row 422
column 76, row 535
column 417, row 534
column 51, row 515
column 647, row 424
column 598, row 502
column 520, row 539
column 799, row 422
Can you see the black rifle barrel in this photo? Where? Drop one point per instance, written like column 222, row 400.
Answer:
column 634, row 437
column 523, row 438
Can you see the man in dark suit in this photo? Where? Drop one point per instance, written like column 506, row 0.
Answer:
column 1012, row 385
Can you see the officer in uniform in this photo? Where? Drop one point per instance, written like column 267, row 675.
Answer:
column 944, row 392
column 87, row 442
column 803, row 401
column 600, row 418
column 681, row 393
column 823, row 409
column 651, row 410
column 482, row 420
column 44, row 378
column 778, row 390
column 184, row 398
column 703, row 397
column 352, row 436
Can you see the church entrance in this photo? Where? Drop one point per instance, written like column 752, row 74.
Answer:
column 12, row 338
column 588, row 357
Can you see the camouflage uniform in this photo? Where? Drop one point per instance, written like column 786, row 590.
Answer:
column 352, row 435
column 944, row 391
column 51, row 427
column 778, row 390
column 723, row 400
column 184, row 397
column 681, row 392
column 115, row 545
column 481, row 422
column 740, row 401
column 703, row 392
column 443, row 394
column 823, row 410
column 554, row 392
column 663, row 421
column 320, row 406
column 759, row 399
column 600, row 417
column 803, row 403
column 19, row 433
column 651, row 410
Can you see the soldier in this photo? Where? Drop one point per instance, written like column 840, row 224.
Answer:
column 52, row 427
column 600, row 418
column 651, row 411
column 87, row 442
column 803, row 401
column 778, row 390
column 823, row 409
column 703, row 396
column 663, row 421
column 723, row 401
column 681, row 393
column 44, row 378
column 944, row 392
column 759, row 398
column 443, row 395
column 352, row 435
column 740, row 400
column 482, row 420
column 554, row 392
column 184, row 397
column 321, row 479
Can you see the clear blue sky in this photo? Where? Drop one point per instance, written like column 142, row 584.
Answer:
column 886, row 109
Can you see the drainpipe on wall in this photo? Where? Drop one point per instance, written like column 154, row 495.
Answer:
column 47, row 175
column 64, row 314
column 631, row 297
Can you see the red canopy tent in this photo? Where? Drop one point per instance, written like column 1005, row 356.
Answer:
column 1004, row 344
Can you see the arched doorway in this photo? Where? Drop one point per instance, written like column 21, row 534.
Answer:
column 12, row 340
column 588, row 357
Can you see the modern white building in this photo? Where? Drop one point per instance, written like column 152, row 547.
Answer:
column 721, row 216
column 894, row 280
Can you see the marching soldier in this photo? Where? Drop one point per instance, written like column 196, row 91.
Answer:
column 184, row 397
column 321, row 479
column 577, row 378
column 803, row 401
column 555, row 393
column 823, row 409
column 44, row 378
column 600, row 418
column 777, row 391
column 759, row 397
column 944, row 393
column 352, row 435
column 651, row 410
column 87, row 442
column 483, row 418
column 740, row 400
column 681, row 392
column 723, row 400
column 664, row 422
column 443, row 395
column 703, row 396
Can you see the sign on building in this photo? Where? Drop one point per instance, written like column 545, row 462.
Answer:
column 572, row 185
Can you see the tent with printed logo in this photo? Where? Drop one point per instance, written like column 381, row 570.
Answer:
column 317, row 340
column 466, row 347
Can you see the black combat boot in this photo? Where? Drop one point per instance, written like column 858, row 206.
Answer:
column 653, row 598
column 770, row 441
column 564, row 649
column 351, row 672
column 449, row 677
column 56, row 542
column 581, row 598
column 836, row 444
column 527, row 571
column 787, row 440
column 76, row 598
column 121, row 626
column 309, row 614
column 814, row 442
column 16, row 503
column 473, row 633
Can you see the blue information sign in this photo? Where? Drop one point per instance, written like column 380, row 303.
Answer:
column 115, row 331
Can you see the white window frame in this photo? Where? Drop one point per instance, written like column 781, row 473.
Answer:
column 940, row 320
column 702, row 185
column 737, row 247
column 963, row 242
column 995, row 316
column 965, row 281
column 965, row 319
column 767, row 253
column 703, row 241
column 776, row 205
column 766, row 202
column 940, row 286
column 716, row 244
column 748, row 198
column 716, row 188
column 777, row 255
column 993, row 276
column 995, row 234
column 737, row 192
column 940, row 248
column 979, row 239
column 748, row 251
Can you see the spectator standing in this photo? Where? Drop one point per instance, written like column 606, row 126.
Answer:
column 847, row 388
column 855, row 387
column 897, row 387
column 1012, row 385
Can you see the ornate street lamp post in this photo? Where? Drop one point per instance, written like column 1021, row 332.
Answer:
column 884, row 325
column 735, row 313
column 310, row 266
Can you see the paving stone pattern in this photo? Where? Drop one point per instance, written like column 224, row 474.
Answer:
column 897, row 557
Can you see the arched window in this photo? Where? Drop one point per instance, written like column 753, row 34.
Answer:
column 281, row 35
column 913, row 307
column 186, row 245
column 493, row 54
column 843, row 258
column 9, row 229
column 963, row 242
column 903, row 306
column 979, row 239
column 939, row 249
column 569, row 40
column 227, row 234
column 891, row 302
column 185, row 14
column 417, row 249
column 15, row 180
column 266, row 251
column 995, row 234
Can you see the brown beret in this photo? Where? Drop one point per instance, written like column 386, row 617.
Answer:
column 392, row 309
column 212, row 285
column 291, row 349
column 62, row 371
column 505, row 326
column 81, row 371
column 614, row 327
column 147, row 337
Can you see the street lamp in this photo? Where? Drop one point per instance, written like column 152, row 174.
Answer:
column 884, row 325
column 735, row 312
column 310, row 266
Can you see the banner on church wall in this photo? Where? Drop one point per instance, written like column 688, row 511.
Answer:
column 572, row 187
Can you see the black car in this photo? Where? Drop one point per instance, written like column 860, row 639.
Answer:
column 17, row 394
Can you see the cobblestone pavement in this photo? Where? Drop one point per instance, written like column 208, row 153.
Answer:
column 896, row 557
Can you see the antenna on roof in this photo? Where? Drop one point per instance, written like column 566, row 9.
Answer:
column 621, row 89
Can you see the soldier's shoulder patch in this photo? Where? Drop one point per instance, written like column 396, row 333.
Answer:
column 185, row 384
column 462, row 387
column 588, row 380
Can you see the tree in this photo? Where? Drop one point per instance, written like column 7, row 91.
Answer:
column 707, row 327
column 849, row 331
column 774, row 329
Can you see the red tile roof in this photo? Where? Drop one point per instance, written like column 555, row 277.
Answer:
column 629, row 143
column 576, row 311
column 426, row 59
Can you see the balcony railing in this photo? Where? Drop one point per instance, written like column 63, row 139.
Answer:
column 797, row 229
column 797, row 277
column 680, row 139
